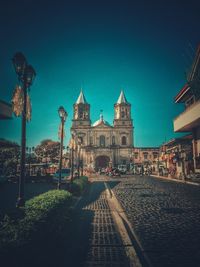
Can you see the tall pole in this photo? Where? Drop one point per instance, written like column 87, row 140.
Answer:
column 78, row 161
column 26, row 75
column 158, row 163
column 61, row 153
column 72, row 163
column 20, row 200
column 81, row 161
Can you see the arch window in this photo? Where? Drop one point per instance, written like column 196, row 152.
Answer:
column 124, row 140
column 113, row 140
column 80, row 139
column 102, row 141
column 91, row 140
column 81, row 113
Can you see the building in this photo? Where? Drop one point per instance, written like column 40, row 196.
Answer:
column 147, row 156
column 5, row 110
column 104, row 144
column 177, row 158
column 189, row 119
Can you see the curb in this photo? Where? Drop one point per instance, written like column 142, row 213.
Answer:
column 174, row 180
column 131, row 242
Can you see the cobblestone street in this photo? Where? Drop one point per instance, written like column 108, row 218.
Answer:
column 165, row 216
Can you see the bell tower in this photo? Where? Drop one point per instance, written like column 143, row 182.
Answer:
column 81, row 116
column 123, row 122
column 122, row 112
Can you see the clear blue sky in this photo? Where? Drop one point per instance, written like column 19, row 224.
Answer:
column 144, row 47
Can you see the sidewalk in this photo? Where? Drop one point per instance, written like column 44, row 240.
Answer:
column 101, row 244
column 93, row 239
column 176, row 180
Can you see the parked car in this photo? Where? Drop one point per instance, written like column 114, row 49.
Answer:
column 65, row 174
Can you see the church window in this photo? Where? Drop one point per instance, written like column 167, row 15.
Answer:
column 80, row 113
column 124, row 140
column 80, row 139
column 136, row 155
column 113, row 140
column 91, row 140
column 102, row 141
column 123, row 114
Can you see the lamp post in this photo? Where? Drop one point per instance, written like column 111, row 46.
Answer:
column 72, row 154
column 79, row 152
column 81, row 159
column 63, row 115
column 182, row 155
column 26, row 75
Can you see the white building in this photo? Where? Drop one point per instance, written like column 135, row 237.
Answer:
column 104, row 144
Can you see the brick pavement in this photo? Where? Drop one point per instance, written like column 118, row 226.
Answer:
column 94, row 241
column 166, row 218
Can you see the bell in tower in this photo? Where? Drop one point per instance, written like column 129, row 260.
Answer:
column 81, row 112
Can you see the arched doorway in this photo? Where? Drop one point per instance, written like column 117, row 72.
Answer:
column 101, row 162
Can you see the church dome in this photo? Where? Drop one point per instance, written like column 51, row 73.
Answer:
column 101, row 121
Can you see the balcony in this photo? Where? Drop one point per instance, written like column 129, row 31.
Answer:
column 188, row 119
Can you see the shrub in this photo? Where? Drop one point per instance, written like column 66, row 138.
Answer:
column 79, row 185
column 44, row 214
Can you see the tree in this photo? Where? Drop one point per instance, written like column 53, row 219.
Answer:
column 9, row 157
column 48, row 149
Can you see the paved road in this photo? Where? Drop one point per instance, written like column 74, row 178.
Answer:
column 166, row 218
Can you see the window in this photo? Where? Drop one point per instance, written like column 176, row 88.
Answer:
column 113, row 140
column 81, row 113
column 155, row 156
column 123, row 140
column 136, row 155
column 102, row 141
column 145, row 155
column 80, row 139
column 91, row 140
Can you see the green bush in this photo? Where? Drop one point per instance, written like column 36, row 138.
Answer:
column 44, row 214
column 79, row 185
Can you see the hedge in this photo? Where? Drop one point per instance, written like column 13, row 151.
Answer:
column 44, row 214
column 79, row 185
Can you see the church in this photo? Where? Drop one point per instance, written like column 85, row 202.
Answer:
column 103, row 144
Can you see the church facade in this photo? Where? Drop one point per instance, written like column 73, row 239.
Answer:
column 103, row 144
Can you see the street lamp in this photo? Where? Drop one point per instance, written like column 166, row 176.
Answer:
column 182, row 156
column 79, row 152
column 73, row 133
column 26, row 75
column 81, row 158
column 63, row 116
